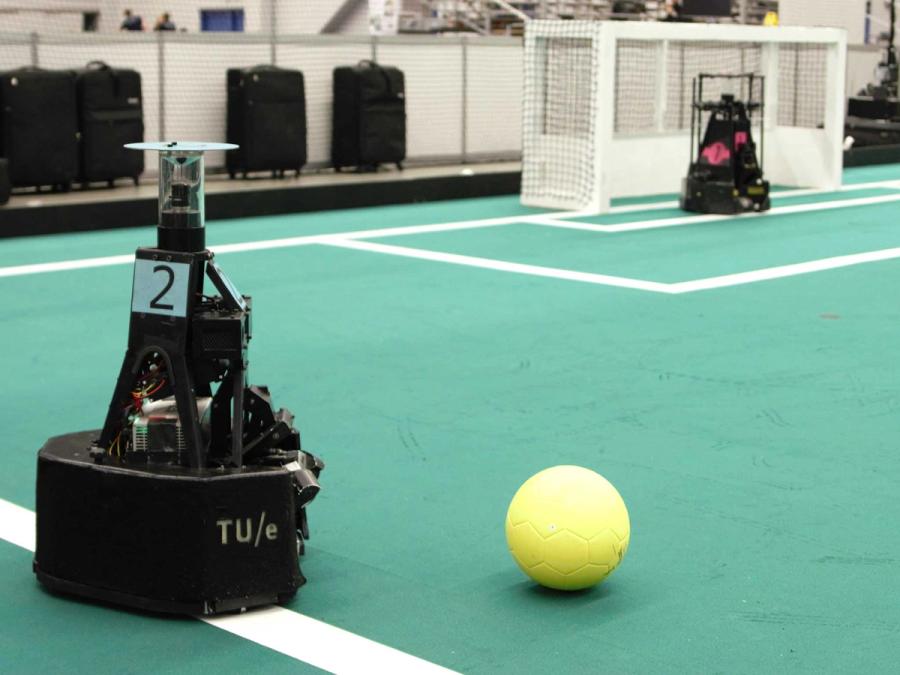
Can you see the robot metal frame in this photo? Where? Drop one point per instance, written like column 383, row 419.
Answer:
column 192, row 497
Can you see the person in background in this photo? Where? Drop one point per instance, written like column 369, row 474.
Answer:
column 673, row 10
column 164, row 22
column 131, row 21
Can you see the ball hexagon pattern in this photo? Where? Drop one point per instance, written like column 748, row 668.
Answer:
column 567, row 528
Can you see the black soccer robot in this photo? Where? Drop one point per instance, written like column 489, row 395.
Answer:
column 725, row 176
column 192, row 497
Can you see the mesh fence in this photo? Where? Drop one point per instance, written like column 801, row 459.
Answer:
column 558, row 140
column 566, row 125
column 802, row 85
column 687, row 60
column 568, row 87
column 317, row 61
column 654, row 80
column 638, row 64
column 463, row 94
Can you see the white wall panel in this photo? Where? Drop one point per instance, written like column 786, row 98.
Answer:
column 304, row 16
column 195, row 88
column 861, row 63
column 847, row 14
column 317, row 61
column 433, row 95
column 26, row 21
column 494, row 99
column 357, row 23
column 15, row 52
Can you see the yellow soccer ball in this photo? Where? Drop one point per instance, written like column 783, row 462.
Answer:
column 567, row 528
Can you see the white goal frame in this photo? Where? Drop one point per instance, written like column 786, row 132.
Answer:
column 654, row 161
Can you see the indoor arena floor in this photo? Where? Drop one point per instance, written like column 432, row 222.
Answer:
column 736, row 378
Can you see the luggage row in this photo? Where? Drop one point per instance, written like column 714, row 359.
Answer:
column 62, row 126
column 59, row 126
column 267, row 118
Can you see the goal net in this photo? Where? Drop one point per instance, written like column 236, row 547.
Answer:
column 607, row 106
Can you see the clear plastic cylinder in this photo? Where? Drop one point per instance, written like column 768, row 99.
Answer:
column 181, row 202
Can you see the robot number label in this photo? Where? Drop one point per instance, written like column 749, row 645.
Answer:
column 160, row 287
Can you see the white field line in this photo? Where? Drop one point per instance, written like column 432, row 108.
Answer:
column 366, row 234
column 674, row 288
column 709, row 218
column 637, row 225
column 84, row 263
column 551, row 219
column 17, row 525
column 782, row 271
column 288, row 242
column 849, row 187
column 788, row 192
column 282, row 630
column 500, row 265
column 307, row 639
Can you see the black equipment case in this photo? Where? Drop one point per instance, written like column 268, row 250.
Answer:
column 369, row 122
column 4, row 181
column 872, row 131
column 873, row 115
column 39, row 126
column 267, row 119
column 110, row 114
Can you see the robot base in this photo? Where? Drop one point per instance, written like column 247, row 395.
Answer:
column 160, row 538
column 720, row 197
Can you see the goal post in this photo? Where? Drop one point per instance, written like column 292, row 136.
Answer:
column 607, row 105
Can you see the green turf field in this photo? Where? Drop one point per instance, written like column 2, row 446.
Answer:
column 751, row 424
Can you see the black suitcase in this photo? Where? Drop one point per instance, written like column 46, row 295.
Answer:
column 369, row 119
column 4, row 180
column 267, row 119
column 110, row 114
column 39, row 127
